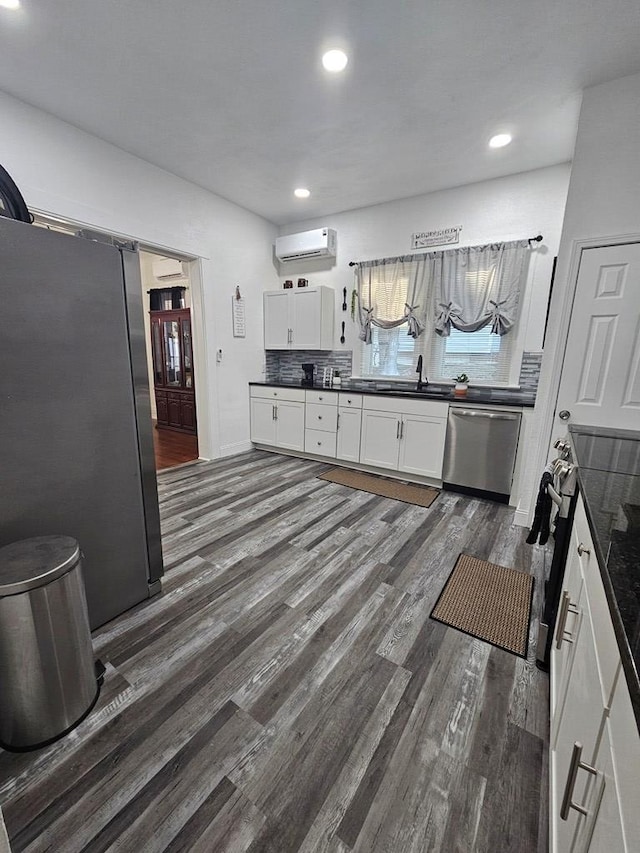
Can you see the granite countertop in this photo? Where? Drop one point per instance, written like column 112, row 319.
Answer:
column 609, row 480
column 487, row 396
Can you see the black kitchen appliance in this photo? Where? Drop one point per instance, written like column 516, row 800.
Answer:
column 562, row 489
column 307, row 379
column 12, row 204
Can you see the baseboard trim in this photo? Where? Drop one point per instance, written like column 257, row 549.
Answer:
column 521, row 517
column 235, row 448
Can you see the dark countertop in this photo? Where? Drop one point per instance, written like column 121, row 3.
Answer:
column 488, row 396
column 609, row 481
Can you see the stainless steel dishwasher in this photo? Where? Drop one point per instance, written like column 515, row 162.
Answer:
column 480, row 451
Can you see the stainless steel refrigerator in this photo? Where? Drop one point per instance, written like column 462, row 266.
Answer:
column 76, row 442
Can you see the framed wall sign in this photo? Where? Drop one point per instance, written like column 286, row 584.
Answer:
column 441, row 237
column 238, row 313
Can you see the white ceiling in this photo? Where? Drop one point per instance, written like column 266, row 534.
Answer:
column 230, row 94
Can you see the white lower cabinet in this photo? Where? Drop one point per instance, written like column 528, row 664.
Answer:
column 276, row 420
column 380, row 439
column 405, row 439
column 348, row 436
column 595, row 743
column 407, row 436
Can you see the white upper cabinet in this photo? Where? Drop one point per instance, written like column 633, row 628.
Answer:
column 300, row 319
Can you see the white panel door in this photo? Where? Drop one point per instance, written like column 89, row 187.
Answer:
column 277, row 320
column 422, row 445
column 349, row 424
column 290, row 425
column 306, row 321
column 263, row 423
column 380, row 439
column 600, row 383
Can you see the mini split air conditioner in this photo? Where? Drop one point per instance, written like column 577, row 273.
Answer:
column 167, row 269
column 320, row 243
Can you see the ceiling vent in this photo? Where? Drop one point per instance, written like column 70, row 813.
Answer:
column 320, row 243
column 167, row 269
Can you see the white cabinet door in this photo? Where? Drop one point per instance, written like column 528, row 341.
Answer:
column 277, row 320
column 571, row 600
column 349, row 424
column 290, row 425
column 422, row 445
column 380, row 439
column 263, row 423
column 306, row 319
column 603, row 827
column 580, row 722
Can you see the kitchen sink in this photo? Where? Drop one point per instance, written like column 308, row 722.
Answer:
column 401, row 389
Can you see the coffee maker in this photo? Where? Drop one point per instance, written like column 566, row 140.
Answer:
column 307, row 379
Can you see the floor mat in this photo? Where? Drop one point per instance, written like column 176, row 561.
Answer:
column 488, row 601
column 386, row 488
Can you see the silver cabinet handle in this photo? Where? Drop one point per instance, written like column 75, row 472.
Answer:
column 582, row 550
column 575, row 764
column 319, row 417
column 566, row 607
column 348, row 400
column 319, row 444
column 401, row 429
column 474, row 413
column 273, row 413
column 338, row 422
column 398, row 429
column 276, row 411
column 320, row 398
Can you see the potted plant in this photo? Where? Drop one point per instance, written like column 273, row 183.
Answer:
column 462, row 383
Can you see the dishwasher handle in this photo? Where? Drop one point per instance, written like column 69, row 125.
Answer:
column 474, row 413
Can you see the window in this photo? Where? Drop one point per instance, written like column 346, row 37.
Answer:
column 485, row 357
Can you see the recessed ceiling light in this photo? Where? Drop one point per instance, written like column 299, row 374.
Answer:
column 10, row 4
column 335, row 60
column 301, row 192
column 500, row 140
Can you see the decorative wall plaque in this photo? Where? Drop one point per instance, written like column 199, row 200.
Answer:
column 441, row 237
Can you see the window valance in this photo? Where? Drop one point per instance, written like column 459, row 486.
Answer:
column 466, row 288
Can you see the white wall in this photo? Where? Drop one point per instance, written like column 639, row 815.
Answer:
column 508, row 208
column 65, row 172
column 603, row 202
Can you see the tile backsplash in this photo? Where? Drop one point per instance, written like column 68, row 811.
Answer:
column 286, row 365
column 530, row 370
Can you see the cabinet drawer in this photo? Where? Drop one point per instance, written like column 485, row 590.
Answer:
column 352, row 401
column 322, row 443
column 324, row 398
column 606, row 644
column 321, row 417
column 274, row 392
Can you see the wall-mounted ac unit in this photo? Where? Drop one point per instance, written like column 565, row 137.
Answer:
column 319, row 243
column 167, row 269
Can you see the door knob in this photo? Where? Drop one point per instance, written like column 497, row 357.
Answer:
column 564, row 415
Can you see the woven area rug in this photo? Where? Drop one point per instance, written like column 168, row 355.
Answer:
column 487, row 601
column 420, row 495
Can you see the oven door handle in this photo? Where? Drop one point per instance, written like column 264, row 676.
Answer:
column 555, row 497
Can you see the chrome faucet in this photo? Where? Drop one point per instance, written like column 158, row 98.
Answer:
column 421, row 384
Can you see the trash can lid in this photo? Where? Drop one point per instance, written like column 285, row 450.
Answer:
column 31, row 563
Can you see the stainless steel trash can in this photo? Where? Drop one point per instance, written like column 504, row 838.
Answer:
column 48, row 681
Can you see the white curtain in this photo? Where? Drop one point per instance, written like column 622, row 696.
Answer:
column 393, row 291
column 480, row 285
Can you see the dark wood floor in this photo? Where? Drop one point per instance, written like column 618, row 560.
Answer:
column 173, row 448
column 288, row 690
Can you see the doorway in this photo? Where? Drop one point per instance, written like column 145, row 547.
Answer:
column 168, row 305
